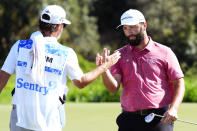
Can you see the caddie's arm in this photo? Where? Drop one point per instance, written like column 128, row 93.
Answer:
column 4, row 76
column 172, row 113
column 92, row 75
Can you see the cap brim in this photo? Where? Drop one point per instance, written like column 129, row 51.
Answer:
column 66, row 22
column 118, row 26
column 128, row 23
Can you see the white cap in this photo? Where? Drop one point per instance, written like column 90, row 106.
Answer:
column 131, row 17
column 56, row 14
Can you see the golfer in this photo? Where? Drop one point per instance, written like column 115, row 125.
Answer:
column 40, row 65
column 151, row 78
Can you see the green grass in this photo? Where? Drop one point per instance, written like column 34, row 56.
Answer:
column 92, row 116
column 102, row 116
column 188, row 111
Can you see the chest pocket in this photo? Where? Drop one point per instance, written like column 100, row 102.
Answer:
column 153, row 67
column 55, row 59
column 55, row 64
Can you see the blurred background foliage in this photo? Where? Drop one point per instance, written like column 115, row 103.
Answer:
column 170, row 22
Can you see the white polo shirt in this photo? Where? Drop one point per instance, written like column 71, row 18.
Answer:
column 37, row 106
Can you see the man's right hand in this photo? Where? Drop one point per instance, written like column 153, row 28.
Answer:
column 107, row 58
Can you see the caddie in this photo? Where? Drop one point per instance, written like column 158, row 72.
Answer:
column 40, row 65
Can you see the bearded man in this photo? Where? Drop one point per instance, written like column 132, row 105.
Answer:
column 151, row 77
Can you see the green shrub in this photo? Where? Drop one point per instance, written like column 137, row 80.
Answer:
column 191, row 84
column 94, row 92
column 5, row 96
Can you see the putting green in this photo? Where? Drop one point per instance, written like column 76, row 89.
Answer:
column 102, row 116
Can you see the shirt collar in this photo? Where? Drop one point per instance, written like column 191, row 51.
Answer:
column 150, row 44
column 51, row 38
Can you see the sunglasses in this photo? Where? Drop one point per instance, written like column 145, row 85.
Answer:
column 64, row 25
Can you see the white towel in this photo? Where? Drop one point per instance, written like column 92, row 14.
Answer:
column 38, row 57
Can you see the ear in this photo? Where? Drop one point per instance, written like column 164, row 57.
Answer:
column 59, row 26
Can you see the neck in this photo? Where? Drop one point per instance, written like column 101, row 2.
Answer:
column 49, row 34
column 143, row 43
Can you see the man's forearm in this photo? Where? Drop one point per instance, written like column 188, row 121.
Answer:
column 110, row 82
column 91, row 76
column 4, row 76
column 172, row 113
column 179, row 90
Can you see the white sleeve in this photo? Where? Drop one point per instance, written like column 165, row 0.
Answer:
column 72, row 66
column 10, row 62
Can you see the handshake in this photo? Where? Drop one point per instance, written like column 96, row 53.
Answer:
column 107, row 59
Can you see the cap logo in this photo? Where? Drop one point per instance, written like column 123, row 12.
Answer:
column 61, row 19
column 47, row 11
column 127, row 17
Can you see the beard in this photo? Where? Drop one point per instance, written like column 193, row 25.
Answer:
column 138, row 39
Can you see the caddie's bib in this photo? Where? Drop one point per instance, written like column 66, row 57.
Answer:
column 37, row 106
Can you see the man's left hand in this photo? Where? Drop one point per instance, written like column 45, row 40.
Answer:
column 170, row 116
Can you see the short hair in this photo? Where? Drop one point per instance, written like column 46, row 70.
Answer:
column 47, row 26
